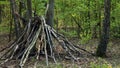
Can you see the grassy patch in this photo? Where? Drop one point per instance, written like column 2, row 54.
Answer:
column 4, row 28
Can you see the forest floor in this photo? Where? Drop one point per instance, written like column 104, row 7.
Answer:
column 85, row 61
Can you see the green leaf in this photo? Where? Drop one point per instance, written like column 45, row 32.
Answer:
column 4, row 2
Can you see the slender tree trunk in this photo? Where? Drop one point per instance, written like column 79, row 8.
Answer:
column 88, row 19
column 0, row 13
column 102, row 47
column 16, row 21
column 50, row 13
column 29, row 8
column 50, row 18
column 20, row 7
column 100, row 26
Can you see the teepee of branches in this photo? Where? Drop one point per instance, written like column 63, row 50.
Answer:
column 35, row 30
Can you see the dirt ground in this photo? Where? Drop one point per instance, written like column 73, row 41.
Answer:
column 85, row 60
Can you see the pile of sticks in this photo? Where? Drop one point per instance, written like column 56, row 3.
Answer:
column 37, row 29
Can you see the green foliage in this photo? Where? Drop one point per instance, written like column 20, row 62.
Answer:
column 4, row 29
column 55, row 66
column 79, row 10
column 39, row 6
column 101, row 64
column 115, row 24
column 69, row 33
column 85, row 38
column 94, row 65
column 65, row 10
column 4, row 2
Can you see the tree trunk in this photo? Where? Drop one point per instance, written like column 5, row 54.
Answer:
column 20, row 8
column 0, row 14
column 16, row 21
column 50, row 18
column 100, row 24
column 88, row 17
column 50, row 13
column 102, row 47
column 29, row 7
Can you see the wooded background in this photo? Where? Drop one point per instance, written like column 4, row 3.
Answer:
column 82, row 19
column 74, row 18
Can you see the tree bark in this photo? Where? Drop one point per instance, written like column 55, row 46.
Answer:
column 102, row 47
column 50, row 18
column 20, row 7
column 29, row 8
column 0, row 14
column 50, row 13
column 16, row 21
